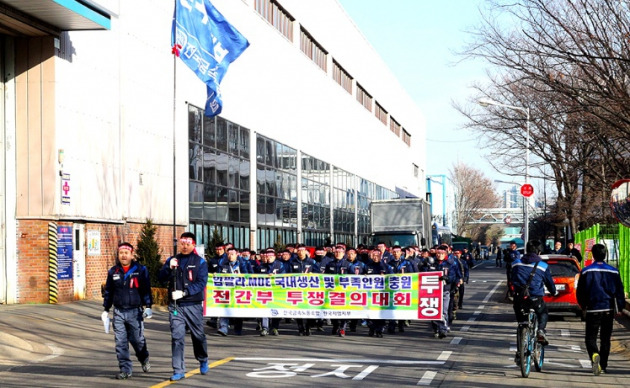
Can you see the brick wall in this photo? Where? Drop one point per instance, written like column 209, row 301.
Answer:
column 32, row 256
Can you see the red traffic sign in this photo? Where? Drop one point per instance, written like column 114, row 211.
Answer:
column 527, row 190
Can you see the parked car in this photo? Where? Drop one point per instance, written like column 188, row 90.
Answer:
column 565, row 271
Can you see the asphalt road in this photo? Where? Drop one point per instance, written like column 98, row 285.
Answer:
column 65, row 346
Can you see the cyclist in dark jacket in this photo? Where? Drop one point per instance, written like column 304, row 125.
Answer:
column 522, row 269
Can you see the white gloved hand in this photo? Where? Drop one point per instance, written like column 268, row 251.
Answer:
column 173, row 263
column 104, row 316
column 148, row 314
column 177, row 294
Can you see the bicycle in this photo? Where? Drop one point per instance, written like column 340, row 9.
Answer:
column 529, row 349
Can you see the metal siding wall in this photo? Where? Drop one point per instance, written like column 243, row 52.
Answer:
column 35, row 106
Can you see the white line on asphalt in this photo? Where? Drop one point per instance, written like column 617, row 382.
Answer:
column 586, row 364
column 477, row 312
column 427, row 377
column 465, row 328
column 56, row 352
column 456, row 340
column 487, row 298
column 398, row 362
column 481, row 306
column 568, row 348
column 444, row 355
column 365, row 372
column 472, row 319
column 565, row 333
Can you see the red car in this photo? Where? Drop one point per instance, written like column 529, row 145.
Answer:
column 565, row 271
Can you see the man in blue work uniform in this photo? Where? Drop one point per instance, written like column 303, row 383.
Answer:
column 510, row 256
column 232, row 264
column 399, row 265
column 465, row 271
column 440, row 326
column 457, row 279
column 270, row 266
column 377, row 267
column 128, row 288
column 532, row 266
column 600, row 294
column 303, row 264
column 339, row 266
column 187, row 277
column 213, row 265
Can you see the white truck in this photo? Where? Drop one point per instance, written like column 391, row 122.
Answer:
column 401, row 222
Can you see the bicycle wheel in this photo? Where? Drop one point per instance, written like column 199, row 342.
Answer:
column 524, row 353
column 539, row 356
column 538, row 348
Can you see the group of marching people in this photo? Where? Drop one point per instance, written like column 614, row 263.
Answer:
column 340, row 259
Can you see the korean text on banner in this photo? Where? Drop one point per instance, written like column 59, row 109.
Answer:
column 397, row 296
column 207, row 44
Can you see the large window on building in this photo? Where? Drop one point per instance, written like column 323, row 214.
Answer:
column 344, row 192
column 276, row 187
column 315, row 200
column 218, row 176
column 277, row 16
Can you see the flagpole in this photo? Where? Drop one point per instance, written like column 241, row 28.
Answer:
column 174, row 150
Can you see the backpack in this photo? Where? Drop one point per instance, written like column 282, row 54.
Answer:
column 522, row 295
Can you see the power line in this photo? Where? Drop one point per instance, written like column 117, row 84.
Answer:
column 450, row 141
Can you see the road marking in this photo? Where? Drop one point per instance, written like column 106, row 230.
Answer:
column 365, row 372
column 56, row 352
column 194, row 372
column 481, row 306
column 427, row 378
column 565, row 333
column 487, row 298
column 586, row 364
column 472, row 319
column 477, row 312
column 366, row 361
column 456, row 340
column 465, row 328
column 568, row 348
column 444, row 355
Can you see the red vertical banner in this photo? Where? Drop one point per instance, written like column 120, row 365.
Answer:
column 430, row 289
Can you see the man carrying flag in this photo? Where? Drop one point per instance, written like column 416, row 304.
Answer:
column 207, row 43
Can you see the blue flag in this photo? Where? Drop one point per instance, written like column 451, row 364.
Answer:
column 207, row 44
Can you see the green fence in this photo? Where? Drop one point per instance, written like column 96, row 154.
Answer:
column 617, row 239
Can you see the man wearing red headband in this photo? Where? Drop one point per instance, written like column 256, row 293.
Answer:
column 187, row 276
column 128, row 288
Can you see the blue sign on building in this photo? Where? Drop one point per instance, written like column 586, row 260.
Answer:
column 64, row 252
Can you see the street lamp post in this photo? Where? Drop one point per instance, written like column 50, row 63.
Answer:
column 487, row 102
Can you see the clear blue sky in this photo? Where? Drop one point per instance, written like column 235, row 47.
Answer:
column 418, row 40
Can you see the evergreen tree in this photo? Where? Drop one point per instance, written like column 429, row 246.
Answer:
column 279, row 246
column 217, row 239
column 148, row 251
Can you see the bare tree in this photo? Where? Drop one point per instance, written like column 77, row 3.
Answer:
column 474, row 191
column 569, row 62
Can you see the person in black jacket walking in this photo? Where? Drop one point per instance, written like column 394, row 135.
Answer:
column 187, row 277
column 128, row 288
column 600, row 294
